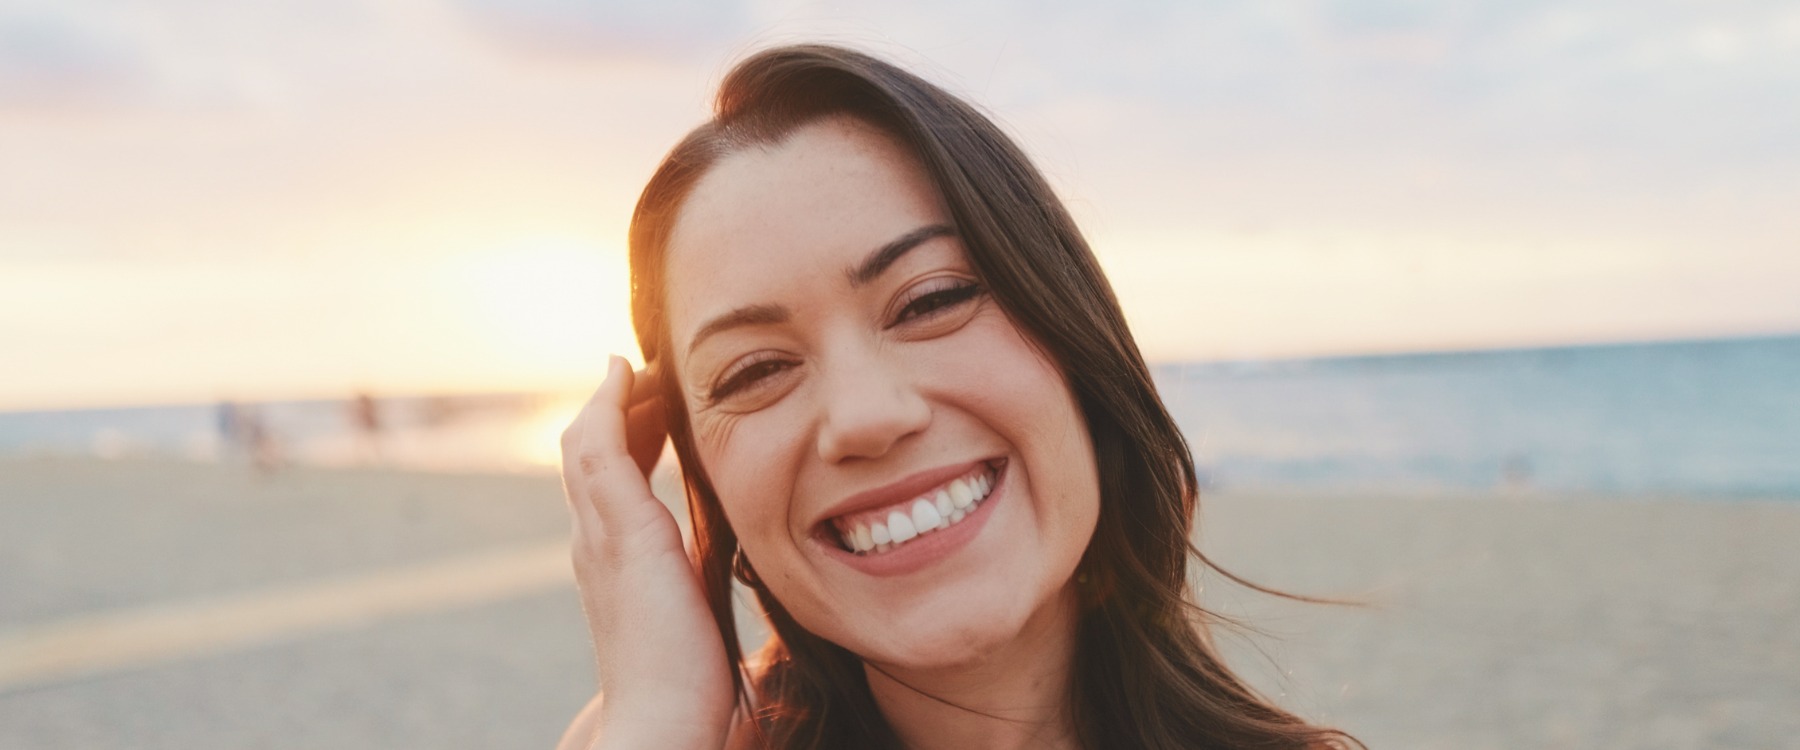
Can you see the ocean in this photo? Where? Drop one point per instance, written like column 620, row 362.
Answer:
column 1715, row 418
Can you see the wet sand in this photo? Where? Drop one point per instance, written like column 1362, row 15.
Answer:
column 325, row 609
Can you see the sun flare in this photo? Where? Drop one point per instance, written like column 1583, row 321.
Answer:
column 558, row 305
column 538, row 441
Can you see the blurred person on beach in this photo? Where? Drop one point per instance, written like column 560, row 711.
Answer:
column 261, row 444
column 365, row 418
column 244, row 434
column 228, row 420
column 911, row 420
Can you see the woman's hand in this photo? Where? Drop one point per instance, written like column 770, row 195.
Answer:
column 661, row 658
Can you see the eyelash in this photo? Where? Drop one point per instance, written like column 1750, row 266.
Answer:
column 923, row 305
column 759, row 367
column 936, row 301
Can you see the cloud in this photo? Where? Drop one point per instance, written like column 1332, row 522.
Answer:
column 351, row 130
column 52, row 61
column 675, row 30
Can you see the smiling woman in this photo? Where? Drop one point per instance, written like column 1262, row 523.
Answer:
column 912, row 420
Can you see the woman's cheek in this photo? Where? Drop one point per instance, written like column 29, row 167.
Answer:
column 751, row 466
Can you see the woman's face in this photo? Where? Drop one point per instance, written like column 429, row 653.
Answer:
column 906, row 472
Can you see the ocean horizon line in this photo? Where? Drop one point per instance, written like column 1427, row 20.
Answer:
column 1228, row 363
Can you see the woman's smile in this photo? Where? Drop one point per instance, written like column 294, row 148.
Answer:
column 889, row 538
column 882, row 520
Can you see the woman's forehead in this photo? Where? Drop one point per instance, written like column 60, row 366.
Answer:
column 826, row 179
column 789, row 219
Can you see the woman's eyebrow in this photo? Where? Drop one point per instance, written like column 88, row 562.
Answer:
column 885, row 256
column 863, row 273
column 748, row 315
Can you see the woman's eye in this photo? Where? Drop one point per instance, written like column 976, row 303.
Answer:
column 937, row 300
column 745, row 377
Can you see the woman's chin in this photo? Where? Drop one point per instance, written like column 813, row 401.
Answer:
column 955, row 627
column 950, row 651
column 930, row 641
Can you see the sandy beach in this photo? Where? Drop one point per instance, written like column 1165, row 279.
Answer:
column 168, row 605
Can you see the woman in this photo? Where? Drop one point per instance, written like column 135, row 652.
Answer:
column 912, row 420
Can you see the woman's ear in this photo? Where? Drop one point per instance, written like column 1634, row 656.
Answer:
column 646, row 427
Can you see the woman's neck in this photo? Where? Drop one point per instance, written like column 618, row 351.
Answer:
column 1021, row 686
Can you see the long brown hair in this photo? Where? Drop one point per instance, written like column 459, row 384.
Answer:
column 1145, row 672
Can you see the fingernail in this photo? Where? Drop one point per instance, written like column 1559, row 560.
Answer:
column 613, row 362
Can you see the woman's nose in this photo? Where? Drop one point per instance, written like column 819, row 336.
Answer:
column 869, row 406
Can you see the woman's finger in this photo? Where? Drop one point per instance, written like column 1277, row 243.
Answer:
column 598, row 469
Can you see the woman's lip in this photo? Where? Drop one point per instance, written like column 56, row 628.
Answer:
column 925, row 550
column 899, row 491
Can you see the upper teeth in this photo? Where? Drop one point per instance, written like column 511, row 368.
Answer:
column 939, row 509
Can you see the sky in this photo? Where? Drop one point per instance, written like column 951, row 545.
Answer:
column 299, row 198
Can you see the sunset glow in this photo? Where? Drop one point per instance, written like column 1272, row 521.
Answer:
column 433, row 197
column 560, row 304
